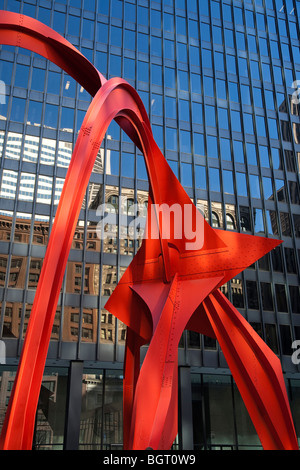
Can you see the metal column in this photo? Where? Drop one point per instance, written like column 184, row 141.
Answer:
column 185, row 428
column 73, row 411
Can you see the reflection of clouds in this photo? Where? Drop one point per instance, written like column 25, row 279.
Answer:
column 34, row 149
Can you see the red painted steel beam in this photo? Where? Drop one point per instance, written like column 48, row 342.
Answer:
column 25, row 32
column 170, row 285
column 256, row 371
column 22, row 31
column 19, row 425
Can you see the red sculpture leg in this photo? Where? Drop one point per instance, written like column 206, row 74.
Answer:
column 131, row 373
column 155, row 398
column 155, row 383
column 18, row 427
column 257, row 373
column 171, row 421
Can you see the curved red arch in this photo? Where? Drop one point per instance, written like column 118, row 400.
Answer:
column 150, row 297
column 115, row 97
column 28, row 33
column 22, row 31
column 117, row 100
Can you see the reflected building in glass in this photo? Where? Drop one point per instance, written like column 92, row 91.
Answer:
column 218, row 79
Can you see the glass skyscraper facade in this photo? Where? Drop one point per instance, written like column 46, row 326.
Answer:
column 219, row 82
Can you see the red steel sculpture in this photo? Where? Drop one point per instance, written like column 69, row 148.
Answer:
column 172, row 283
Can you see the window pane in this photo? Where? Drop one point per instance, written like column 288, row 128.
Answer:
column 271, row 337
column 200, row 177
column 185, row 141
column 51, row 116
column 210, row 114
column 251, row 154
column 286, row 340
column 214, row 179
column 228, row 182
column 241, row 184
column 267, row 298
column 254, row 186
column 217, row 392
column 186, row 175
column 18, row 109
column 290, row 260
column 225, row 149
column 212, row 147
column 281, row 298
column 272, row 222
column 22, row 74
column 238, row 148
column 38, row 79
column 34, row 113
column 259, row 226
column 245, row 219
column 268, row 188
column 252, row 295
column 295, row 298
